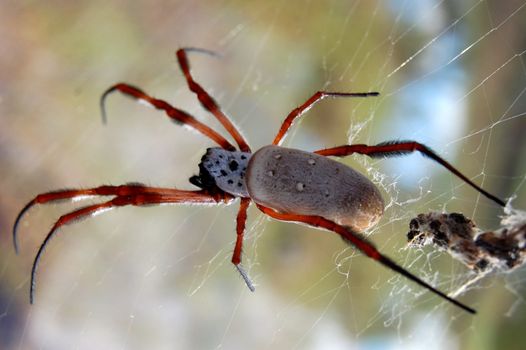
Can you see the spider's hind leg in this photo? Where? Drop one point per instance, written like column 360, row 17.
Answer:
column 361, row 244
column 400, row 148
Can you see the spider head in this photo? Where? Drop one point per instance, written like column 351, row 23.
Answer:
column 224, row 170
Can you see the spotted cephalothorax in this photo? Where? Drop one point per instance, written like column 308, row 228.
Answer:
column 284, row 183
column 224, row 169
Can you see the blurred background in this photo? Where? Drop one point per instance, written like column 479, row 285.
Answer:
column 451, row 74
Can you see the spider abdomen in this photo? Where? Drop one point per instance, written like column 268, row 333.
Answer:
column 299, row 182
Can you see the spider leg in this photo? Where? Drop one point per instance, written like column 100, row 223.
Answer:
column 177, row 115
column 318, row 96
column 361, row 244
column 398, row 148
column 206, row 100
column 122, row 190
column 137, row 199
column 240, row 230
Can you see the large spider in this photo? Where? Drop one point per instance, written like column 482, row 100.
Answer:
column 286, row 184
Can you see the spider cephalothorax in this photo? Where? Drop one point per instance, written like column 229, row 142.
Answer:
column 284, row 183
column 223, row 169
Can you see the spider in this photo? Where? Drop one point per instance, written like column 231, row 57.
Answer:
column 285, row 184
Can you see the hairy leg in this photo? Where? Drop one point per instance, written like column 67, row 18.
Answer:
column 399, row 148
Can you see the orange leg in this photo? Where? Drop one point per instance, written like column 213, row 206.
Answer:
column 177, row 115
column 206, row 100
column 361, row 244
column 298, row 112
column 136, row 195
column 240, row 230
column 122, row 190
column 398, row 148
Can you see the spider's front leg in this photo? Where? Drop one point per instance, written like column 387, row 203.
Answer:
column 136, row 195
column 122, row 190
column 204, row 97
column 177, row 115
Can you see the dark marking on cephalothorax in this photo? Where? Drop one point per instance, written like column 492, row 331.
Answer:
column 233, row 165
column 223, row 169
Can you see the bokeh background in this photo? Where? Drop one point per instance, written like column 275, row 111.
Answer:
column 452, row 74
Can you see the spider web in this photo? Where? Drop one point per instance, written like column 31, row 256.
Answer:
column 451, row 75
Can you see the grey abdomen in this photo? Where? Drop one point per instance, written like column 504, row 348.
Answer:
column 299, row 182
